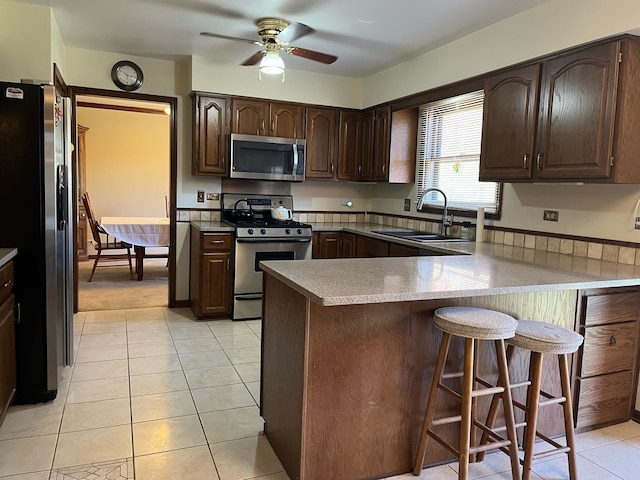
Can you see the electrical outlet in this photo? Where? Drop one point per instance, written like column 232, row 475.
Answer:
column 200, row 196
column 637, row 224
column 407, row 204
column 213, row 196
column 551, row 215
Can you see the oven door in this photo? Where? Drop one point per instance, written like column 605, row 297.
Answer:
column 247, row 289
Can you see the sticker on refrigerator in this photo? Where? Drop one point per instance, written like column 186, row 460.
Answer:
column 13, row 92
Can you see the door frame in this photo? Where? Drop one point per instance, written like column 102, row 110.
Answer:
column 173, row 172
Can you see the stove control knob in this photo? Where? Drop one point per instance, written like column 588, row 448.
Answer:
column 299, row 231
column 263, row 231
column 250, row 231
column 287, row 231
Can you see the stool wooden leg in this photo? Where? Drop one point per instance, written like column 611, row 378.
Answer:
column 568, row 415
column 531, row 416
column 507, row 402
column 493, row 409
column 431, row 403
column 465, row 424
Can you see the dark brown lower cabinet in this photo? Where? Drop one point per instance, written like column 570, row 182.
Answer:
column 334, row 245
column 606, row 367
column 211, row 282
column 7, row 340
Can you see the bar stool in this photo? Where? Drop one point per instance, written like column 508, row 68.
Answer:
column 542, row 338
column 472, row 324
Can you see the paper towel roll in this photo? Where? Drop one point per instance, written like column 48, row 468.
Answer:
column 480, row 226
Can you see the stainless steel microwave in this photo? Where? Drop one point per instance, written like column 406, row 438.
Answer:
column 267, row 158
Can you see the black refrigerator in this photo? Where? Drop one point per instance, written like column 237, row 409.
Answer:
column 35, row 218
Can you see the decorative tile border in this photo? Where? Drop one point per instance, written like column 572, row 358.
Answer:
column 111, row 470
column 610, row 251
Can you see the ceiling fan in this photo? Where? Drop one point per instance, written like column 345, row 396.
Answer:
column 276, row 35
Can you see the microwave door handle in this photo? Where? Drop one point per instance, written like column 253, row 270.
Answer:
column 295, row 159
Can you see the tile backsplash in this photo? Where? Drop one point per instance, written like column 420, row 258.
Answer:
column 596, row 249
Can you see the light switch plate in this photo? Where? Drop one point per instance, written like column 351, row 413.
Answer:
column 200, row 196
column 407, row 204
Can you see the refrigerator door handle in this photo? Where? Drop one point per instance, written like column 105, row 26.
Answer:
column 62, row 218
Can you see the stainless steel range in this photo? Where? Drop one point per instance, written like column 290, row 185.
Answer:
column 264, row 231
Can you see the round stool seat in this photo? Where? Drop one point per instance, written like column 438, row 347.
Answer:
column 478, row 323
column 545, row 338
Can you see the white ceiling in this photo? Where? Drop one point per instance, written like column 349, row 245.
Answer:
column 366, row 35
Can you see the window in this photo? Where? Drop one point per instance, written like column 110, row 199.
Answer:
column 449, row 137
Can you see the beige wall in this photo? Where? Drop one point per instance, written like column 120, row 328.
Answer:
column 25, row 42
column 597, row 210
column 127, row 162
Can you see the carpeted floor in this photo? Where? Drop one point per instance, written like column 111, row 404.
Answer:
column 112, row 288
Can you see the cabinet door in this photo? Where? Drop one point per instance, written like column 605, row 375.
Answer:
column 350, row 145
column 604, row 400
column 215, row 285
column 287, row 120
column 249, row 117
column 348, row 246
column 509, row 121
column 210, row 136
column 398, row 250
column 367, row 247
column 381, row 143
column 7, row 355
column 577, row 112
column 321, row 143
column 326, row 245
column 367, row 155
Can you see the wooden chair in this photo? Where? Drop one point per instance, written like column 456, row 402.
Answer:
column 105, row 245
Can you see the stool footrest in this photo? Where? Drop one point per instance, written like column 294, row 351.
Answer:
column 552, row 401
column 487, row 391
column 446, row 376
column 446, row 420
column 550, row 453
column 451, row 393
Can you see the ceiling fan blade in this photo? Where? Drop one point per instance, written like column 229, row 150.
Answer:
column 311, row 55
column 225, row 37
column 253, row 59
column 293, row 32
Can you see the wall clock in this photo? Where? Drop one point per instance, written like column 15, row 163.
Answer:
column 127, row 76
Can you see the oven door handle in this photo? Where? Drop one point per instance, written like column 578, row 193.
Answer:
column 248, row 297
column 273, row 240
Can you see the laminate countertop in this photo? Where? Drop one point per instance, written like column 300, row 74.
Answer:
column 7, row 254
column 470, row 269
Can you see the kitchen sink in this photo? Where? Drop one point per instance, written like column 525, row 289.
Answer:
column 420, row 236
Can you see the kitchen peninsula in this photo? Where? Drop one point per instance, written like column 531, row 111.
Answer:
column 349, row 348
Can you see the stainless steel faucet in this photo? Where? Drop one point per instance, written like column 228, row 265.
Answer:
column 446, row 220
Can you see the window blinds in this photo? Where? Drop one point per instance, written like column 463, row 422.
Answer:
column 449, row 154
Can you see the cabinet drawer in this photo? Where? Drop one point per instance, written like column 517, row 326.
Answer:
column 6, row 281
column 617, row 307
column 215, row 242
column 609, row 348
column 604, row 399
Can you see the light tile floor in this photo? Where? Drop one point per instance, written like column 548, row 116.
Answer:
column 155, row 395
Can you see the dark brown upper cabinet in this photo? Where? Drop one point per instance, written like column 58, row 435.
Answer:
column 586, row 122
column 210, row 135
column 381, row 142
column 260, row 117
column 322, row 140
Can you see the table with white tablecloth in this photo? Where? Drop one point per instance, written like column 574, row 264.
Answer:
column 141, row 232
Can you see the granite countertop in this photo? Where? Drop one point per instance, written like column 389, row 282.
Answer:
column 475, row 269
column 212, row 226
column 7, row 254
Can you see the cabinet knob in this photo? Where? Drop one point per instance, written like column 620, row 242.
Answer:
column 7, row 284
column 612, row 341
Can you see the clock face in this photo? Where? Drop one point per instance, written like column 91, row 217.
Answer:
column 127, row 75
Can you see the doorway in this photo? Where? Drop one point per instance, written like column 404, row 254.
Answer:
column 120, row 186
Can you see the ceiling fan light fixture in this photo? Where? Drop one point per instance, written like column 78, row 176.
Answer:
column 272, row 64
